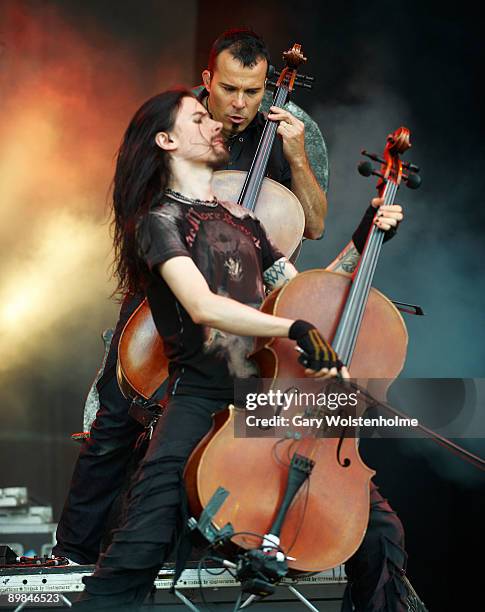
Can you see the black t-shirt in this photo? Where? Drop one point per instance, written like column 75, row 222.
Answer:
column 230, row 248
column 242, row 149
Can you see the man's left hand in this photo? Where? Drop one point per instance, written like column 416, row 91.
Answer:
column 292, row 131
column 387, row 216
column 387, row 219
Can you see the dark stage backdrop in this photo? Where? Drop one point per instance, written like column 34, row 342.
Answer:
column 71, row 75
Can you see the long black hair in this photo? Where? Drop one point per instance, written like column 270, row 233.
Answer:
column 142, row 174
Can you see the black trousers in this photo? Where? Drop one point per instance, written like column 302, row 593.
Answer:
column 125, row 572
column 100, row 472
column 99, row 475
column 374, row 571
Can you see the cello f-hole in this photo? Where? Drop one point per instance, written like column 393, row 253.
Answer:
column 346, row 462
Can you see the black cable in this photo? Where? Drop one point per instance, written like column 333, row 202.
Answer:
column 215, row 573
column 263, row 538
column 224, row 569
column 199, row 578
column 206, row 556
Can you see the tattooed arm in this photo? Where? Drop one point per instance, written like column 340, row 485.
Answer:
column 279, row 273
column 387, row 219
column 346, row 261
column 282, row 270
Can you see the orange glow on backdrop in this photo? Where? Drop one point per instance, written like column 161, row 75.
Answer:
column 66, row 101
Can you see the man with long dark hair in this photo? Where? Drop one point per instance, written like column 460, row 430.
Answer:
column 234, row 87
column 203, row 265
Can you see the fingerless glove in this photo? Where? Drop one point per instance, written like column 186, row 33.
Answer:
column 359, row 237
column 318, row 353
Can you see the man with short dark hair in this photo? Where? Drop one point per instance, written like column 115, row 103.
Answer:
column 234, row 84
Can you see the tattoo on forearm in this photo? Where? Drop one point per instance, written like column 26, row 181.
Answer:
column 347, row 260
column 276, row 274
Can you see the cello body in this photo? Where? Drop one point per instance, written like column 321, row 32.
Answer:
column 313, row 532
column 374, row 357
column 325, row 522
column 141, row 366
column 278, row 208
column 322, row 529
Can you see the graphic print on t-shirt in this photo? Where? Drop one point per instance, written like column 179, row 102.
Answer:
column 224, row 251
column 231, row 250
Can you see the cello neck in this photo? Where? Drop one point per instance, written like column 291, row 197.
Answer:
column 390, row 177
column 351, row 319
column 286, row 81
column 254, row 179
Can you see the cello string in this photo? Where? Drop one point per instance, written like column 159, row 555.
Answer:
column 268, row 140
column 349, row 326
column 375, row 246
column 260, row 159
column 378, row 237
column 254, row 174
column 389, row 195
column 362, row 294
column 375, row 250
column 263, row 153
column 341, row 341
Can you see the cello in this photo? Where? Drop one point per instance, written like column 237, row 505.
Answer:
column 142, row 365
column 332, row 507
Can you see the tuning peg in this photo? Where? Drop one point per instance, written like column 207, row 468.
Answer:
column 366, row 169
column 413, row 181
column 372, row 156
column 305, row 77
column 272, row 72
column 271, row 83
column 410, row 167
